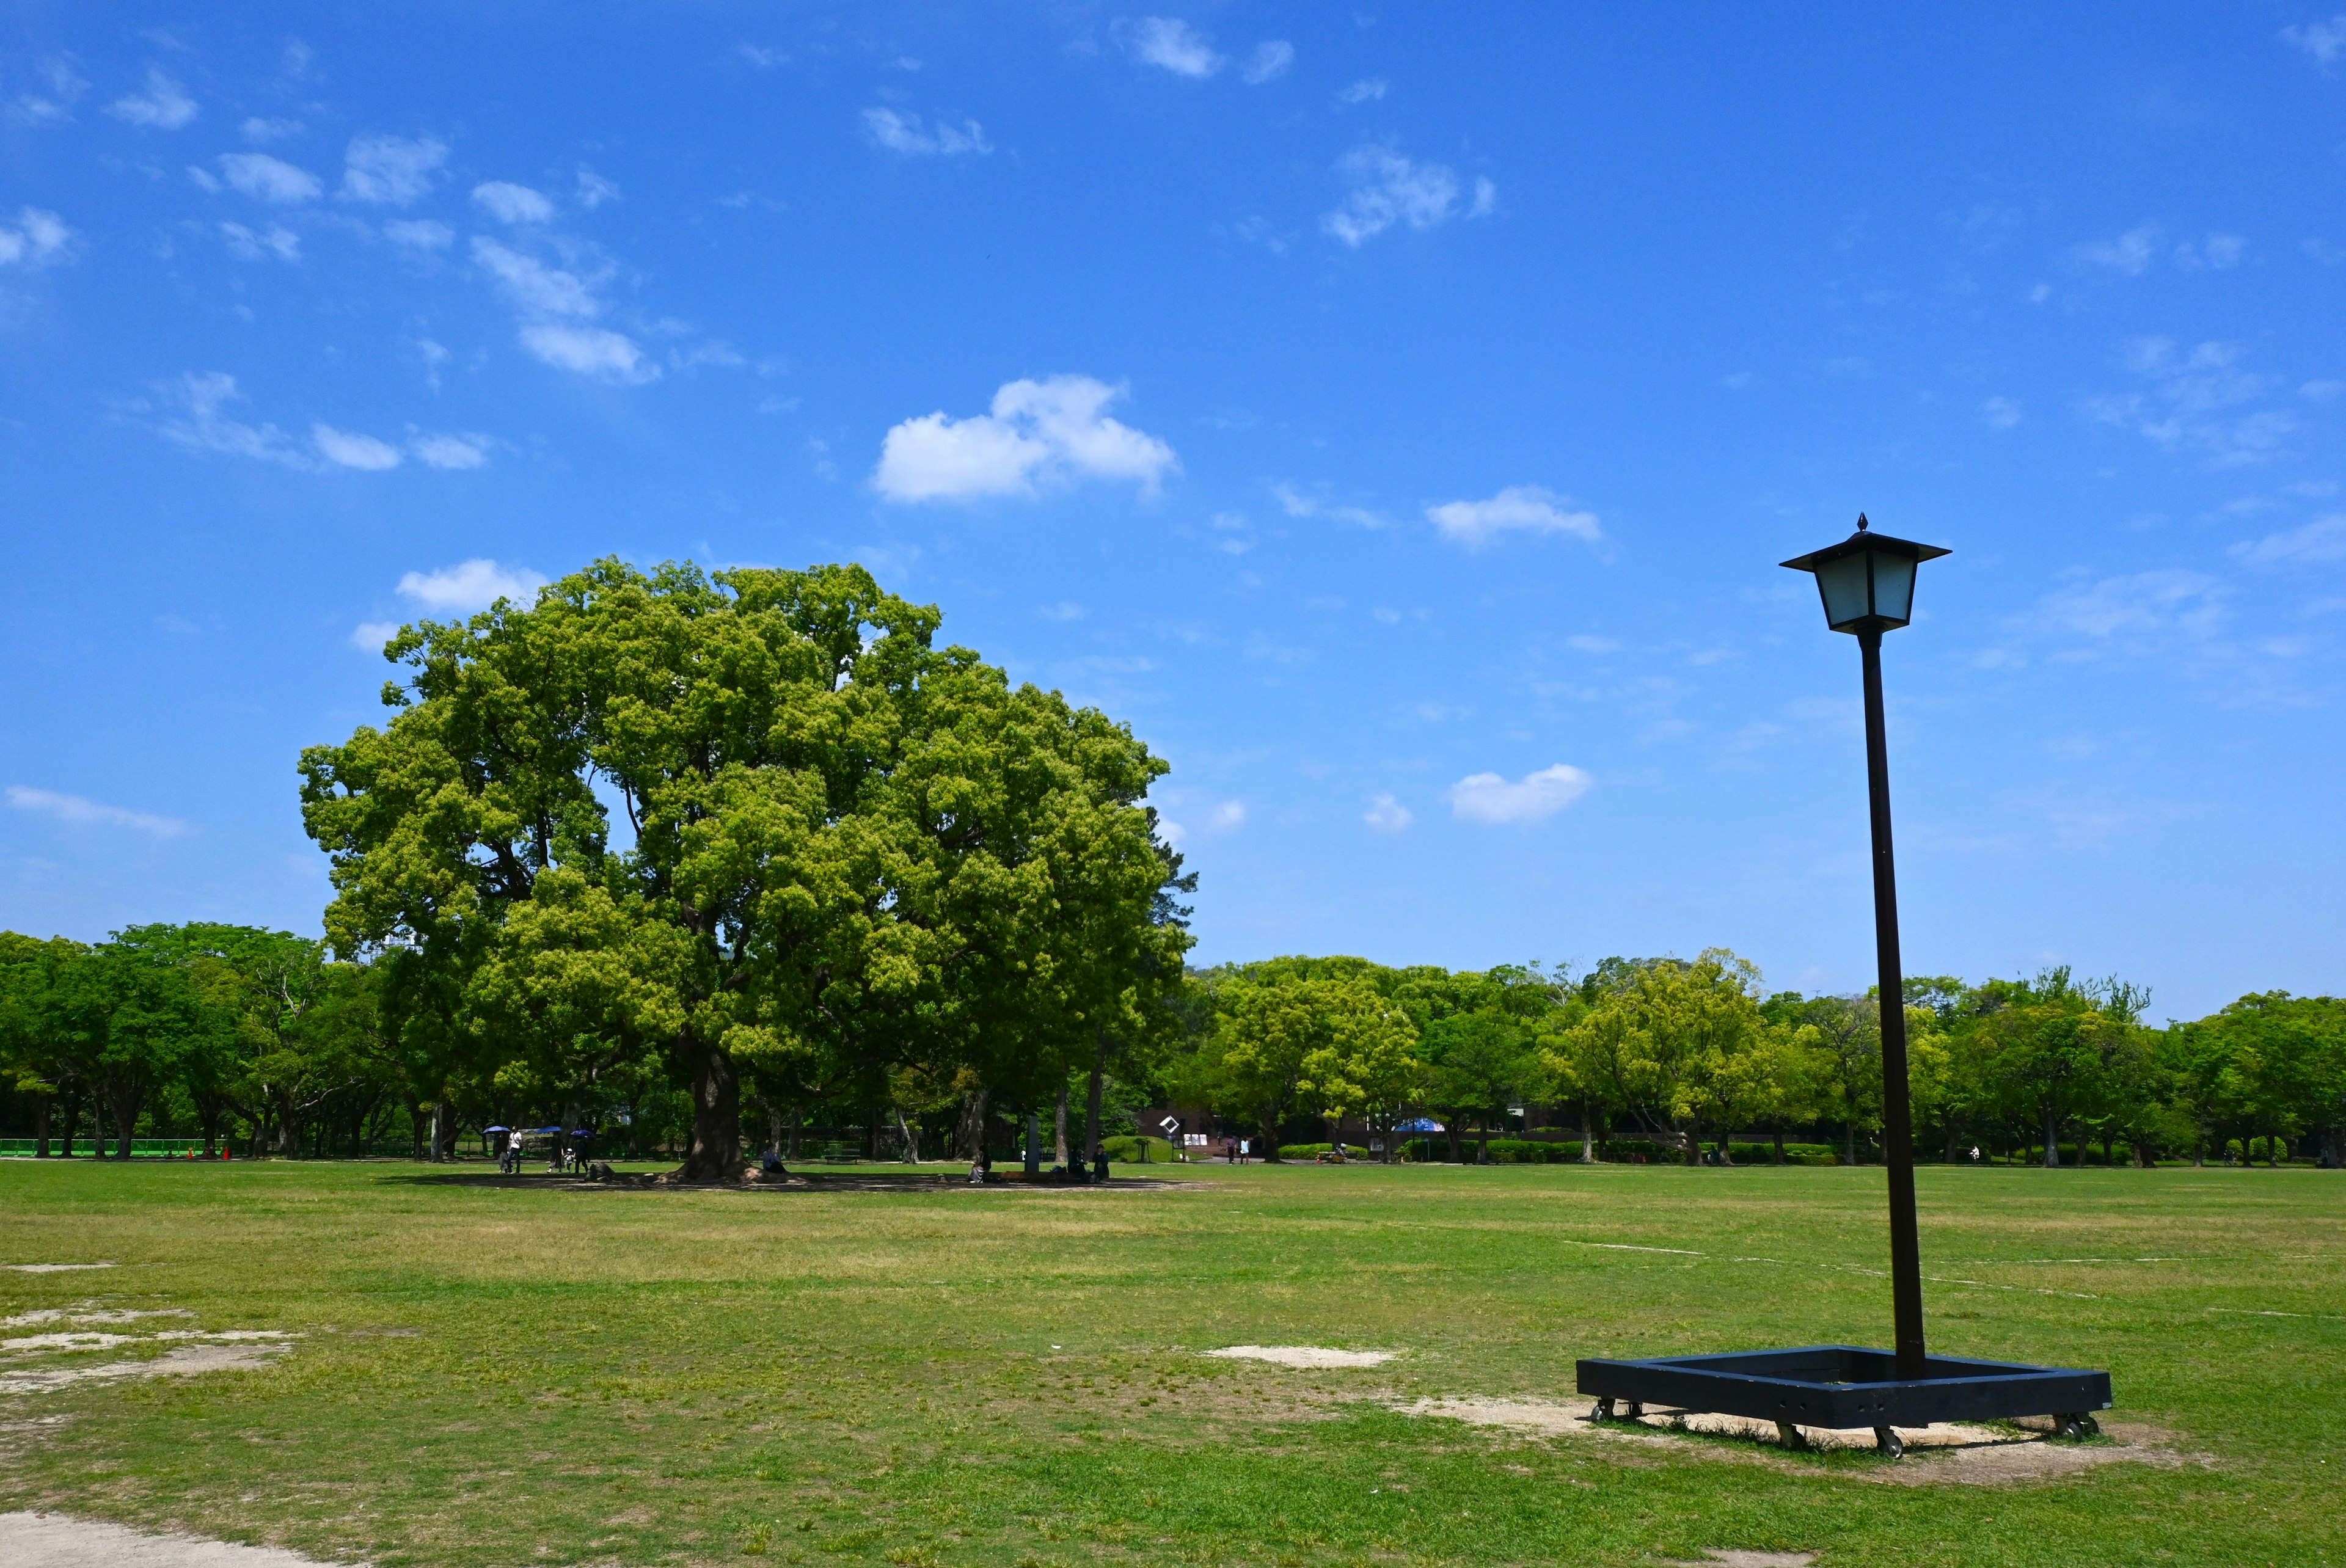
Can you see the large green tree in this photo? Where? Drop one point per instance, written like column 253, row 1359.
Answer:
column 755, row 822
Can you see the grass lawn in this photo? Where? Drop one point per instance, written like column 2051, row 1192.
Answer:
column 495, row 1375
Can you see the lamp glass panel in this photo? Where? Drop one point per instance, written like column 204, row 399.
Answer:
column 1842, row 583
column 1893, row 588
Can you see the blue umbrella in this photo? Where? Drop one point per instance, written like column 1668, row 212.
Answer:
column 496, row 1129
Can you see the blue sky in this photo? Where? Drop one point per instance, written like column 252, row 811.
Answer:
column 1395, row 414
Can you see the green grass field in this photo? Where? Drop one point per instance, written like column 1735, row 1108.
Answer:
column 494, row 1375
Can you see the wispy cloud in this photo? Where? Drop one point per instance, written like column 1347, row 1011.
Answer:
column 1171, row 44
column 61, row 87
column 510, row 203
column 2197, row 399
column 2001, row 412
column 2215, row 253
column 33, row 239
column 1491, row 798
column 1387, row 815
column 1270, row 60
column 898, row 131
column 448, row 451
column 164, row 105
column 263, row 178
column 257, row 128
column 346, row 449
column 390, row 170
column 1296, row 503
column 2323, row 539
column 471, row 586
column 1386, row 188
column 556, row 305
column 259, row 244
column 2323, row 42
column 1519, row 508
column 203, row 425
column 2130, row 253
column 79, row 808
column 420, row 233
column 1036, row 434
column 1367, row 89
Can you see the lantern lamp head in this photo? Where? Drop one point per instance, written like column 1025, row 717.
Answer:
column 1867, row 581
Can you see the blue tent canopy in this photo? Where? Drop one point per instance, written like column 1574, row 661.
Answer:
column 1421, row 1124
column 496, row 1129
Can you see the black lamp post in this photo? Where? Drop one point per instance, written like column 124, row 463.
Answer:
column 1867, row 582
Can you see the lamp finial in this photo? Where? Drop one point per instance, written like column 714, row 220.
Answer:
column 1862, row 523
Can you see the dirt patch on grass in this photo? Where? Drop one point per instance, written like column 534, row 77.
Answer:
column 184, row 1361
column 56, row 1541
column 1311, row 1355
column 1956, row 1454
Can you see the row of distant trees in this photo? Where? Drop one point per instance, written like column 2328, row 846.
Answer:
column 263, row 1042
column 1672, row 1050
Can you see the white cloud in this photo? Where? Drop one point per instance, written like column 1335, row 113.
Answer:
column 511, row 203
column 2129, row 253
column 589, row 352
column 1592, row 645
column 594, row 189
column 450, row 451
column 1530, row 508
column 2324, row 41
column 346, row 449
column 2321, row 390
column 471, row 586
column 203, row 427
column 532, row 285
column 1388, row 189
column 372, row 634
column 1367, row 89
column 2324, row 539
column 257, row 129
column 2001, row 412
column 765, row 59
column 1038, row 432
column 1226, row 818
column 1489, row 798
column 1173, row 45
column 389, row 169
column 1269, row 61
column 164, row 105
column 1387, row 815
column 77, row 808
column 420, row 233
column 253, row 245
column 35, row 238
column 900, row 132
column 268, row 178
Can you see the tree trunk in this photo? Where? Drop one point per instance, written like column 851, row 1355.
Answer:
column 715, row 1151
column 2052, row 1138
column 797, row 1123
column 126, row 1093
column 1483, row 1139
column 1780, row 1144
column 1588, row 1134
column 972, row 1126
column 41, row 1128
column 1033, row 1143
column 1059, row 1129
column 1848, row 1142
column 1450, row 1131
column 1092, row 1099
column 1955, row 1131
column 1693, row 1136
column 912, row 1137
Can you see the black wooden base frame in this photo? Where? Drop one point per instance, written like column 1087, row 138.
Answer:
column 1844, row 1386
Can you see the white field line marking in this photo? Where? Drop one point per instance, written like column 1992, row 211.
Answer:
column 2268, row 1312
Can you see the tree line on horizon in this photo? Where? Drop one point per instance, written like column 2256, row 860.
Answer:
column 731, row 854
